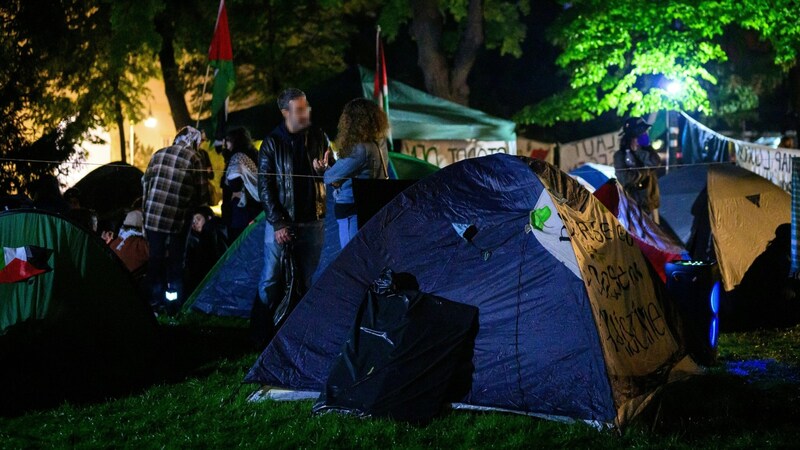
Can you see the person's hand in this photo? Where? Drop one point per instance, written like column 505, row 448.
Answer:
column 107, row 236
column 283, row 236
column 322, row 166
column 236, row 195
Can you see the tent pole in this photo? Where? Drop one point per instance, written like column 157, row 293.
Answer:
column 795, row 223
column 200, row 100
column 668, row 139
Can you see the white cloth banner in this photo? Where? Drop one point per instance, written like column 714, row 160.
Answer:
column 536, row 149
column 444, row 153
column 774, row 164
column 598, row 149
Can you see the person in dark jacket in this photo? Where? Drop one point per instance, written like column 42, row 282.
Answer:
column 635, row 163
column 239, row 183
column 291, row 162
column 205, row 244
column 362, row 153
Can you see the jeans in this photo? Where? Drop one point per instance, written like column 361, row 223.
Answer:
column 348, row 227
column 165, row 269
column 308, row 242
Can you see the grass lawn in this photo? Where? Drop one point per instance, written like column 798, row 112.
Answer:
column 751, row 399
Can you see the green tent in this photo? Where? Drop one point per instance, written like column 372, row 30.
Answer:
column 417, row 115
column 70, row 315
column 409, row 168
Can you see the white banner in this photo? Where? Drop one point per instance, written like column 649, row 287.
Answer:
column 443, row 153
column 597, row 149
column 774, row 164
column 536, row 149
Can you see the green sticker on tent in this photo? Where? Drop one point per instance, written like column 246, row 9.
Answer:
column 539, row 217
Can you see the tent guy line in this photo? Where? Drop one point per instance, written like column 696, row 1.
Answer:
column 44, row 161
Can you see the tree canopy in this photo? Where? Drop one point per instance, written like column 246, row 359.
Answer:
column 65, row 68
column 639, row 57
column 70, row 66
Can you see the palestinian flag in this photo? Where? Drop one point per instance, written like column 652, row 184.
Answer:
column 220, row 55
column 381, row 90
column 22, row 263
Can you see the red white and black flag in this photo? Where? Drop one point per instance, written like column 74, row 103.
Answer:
column 23, row 263
column 381, row 90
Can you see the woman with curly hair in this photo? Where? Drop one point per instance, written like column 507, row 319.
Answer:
column 361, row 139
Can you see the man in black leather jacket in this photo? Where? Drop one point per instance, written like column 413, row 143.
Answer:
column 291, row 162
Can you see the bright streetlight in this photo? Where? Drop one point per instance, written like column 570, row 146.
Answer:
column 674, row 88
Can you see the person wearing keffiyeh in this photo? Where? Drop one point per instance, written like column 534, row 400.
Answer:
column 240, row 201
column 174, row 183
column 130, row 245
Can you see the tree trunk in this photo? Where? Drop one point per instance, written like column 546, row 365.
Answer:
column 468, row 47
column 426, row 29
column 121, row 126
column 169, row 71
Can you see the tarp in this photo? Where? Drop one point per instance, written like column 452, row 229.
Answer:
column 413, row 114
column 417, row 115
column 700, row 144
column 571, row 322
column 408, row 353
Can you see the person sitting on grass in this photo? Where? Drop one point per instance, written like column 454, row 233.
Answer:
column 204, row 246
column 130, row 245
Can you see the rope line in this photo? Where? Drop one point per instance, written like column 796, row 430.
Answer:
column 43, row 161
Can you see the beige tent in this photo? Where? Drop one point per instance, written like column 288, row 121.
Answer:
column 745, row 210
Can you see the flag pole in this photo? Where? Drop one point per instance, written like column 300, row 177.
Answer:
column 200, row 100
column 382, row 83
column 377, row 49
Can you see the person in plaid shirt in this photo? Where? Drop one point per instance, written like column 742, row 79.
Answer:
column 174, row 183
